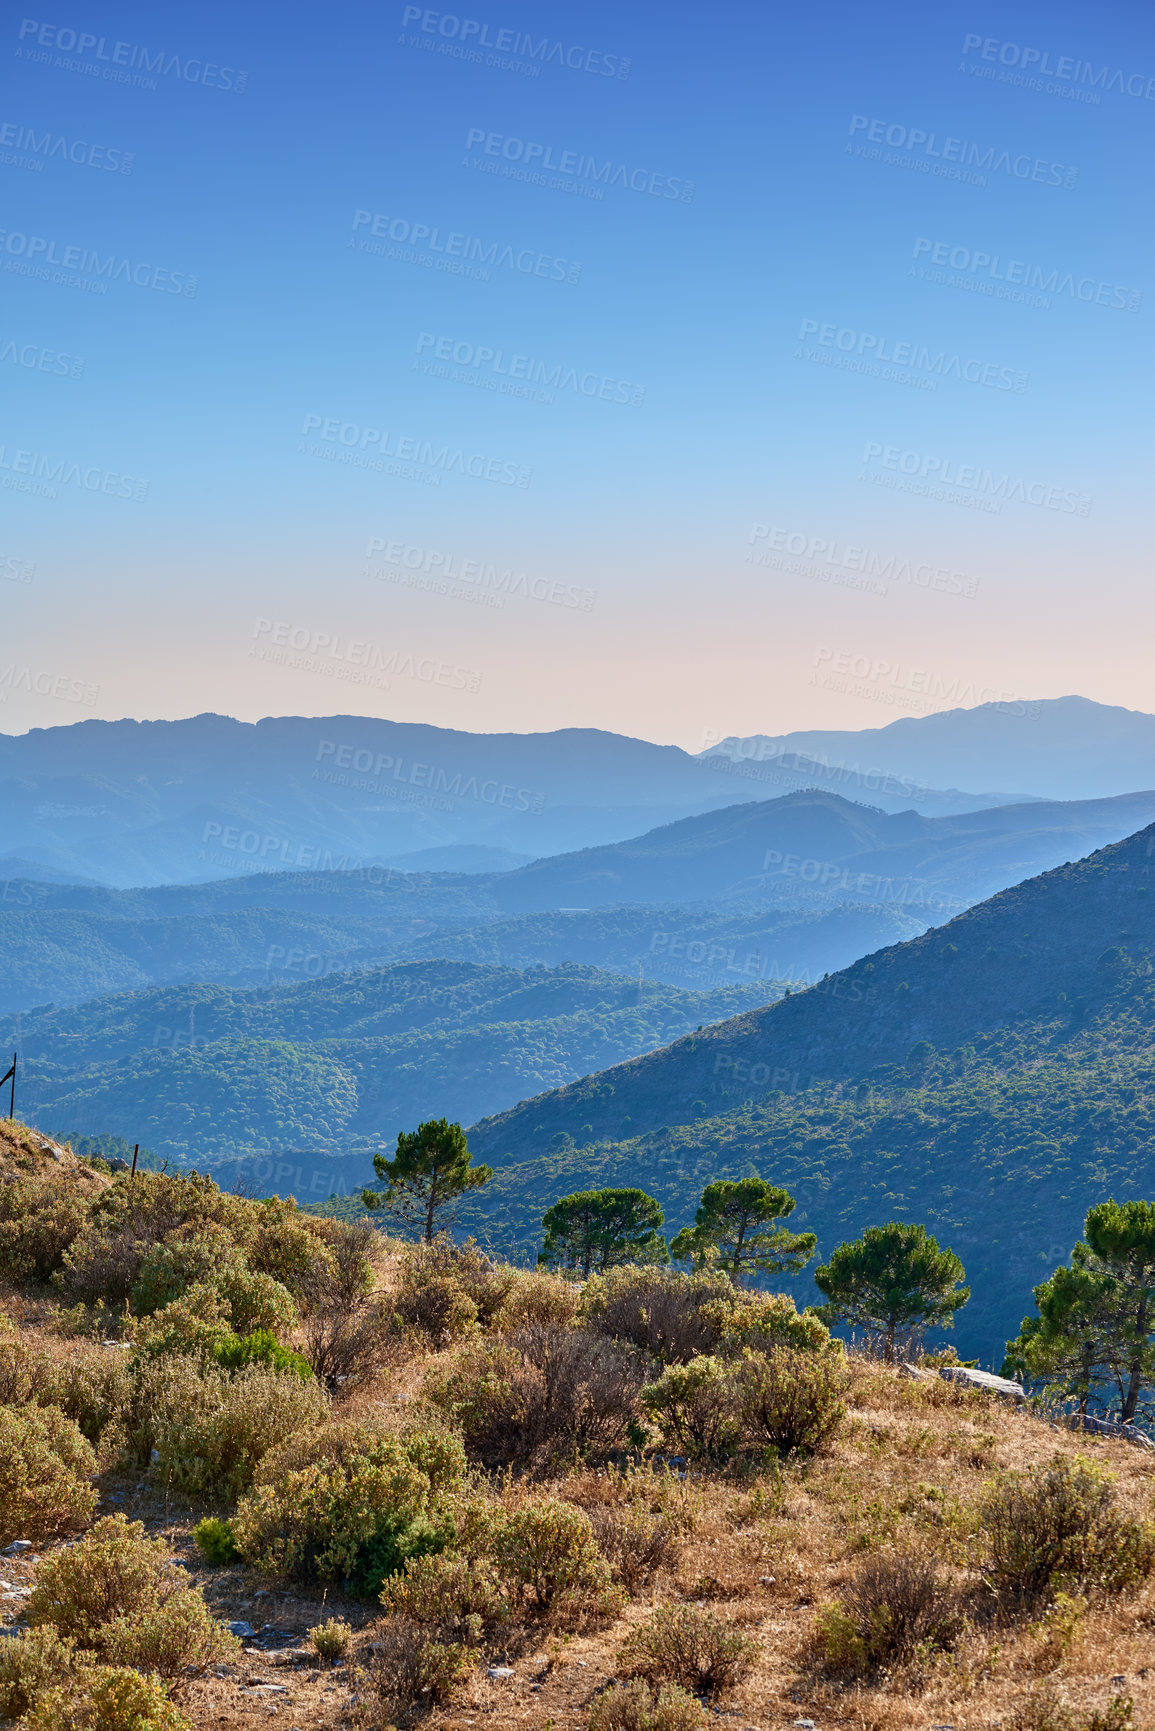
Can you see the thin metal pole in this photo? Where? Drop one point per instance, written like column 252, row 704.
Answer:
column 135, row 1152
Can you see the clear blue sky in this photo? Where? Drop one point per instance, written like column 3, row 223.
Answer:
column 700, row 485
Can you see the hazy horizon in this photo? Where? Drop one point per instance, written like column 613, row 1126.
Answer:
column 678, row 376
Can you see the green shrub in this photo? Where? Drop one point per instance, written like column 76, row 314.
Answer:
column 216, row 1542
column 116, row 1593
column 547, row 1553
column 894, row 1605
column 208, row 1430
column 331, row 1639
column 235, row 1352
column 288, row 1247
column 635, row 1707
column 459, row 1598
column 45, row 1469
column 40, row 1219
column 204, row 1254
column 108, row 1698
column 539, row 1396
column 192, row 1325
column 792, row 1401
column 694, row 1407
column 31, row 1664
column 348, row 1503
column 1058, row 1527
column 688, row 1645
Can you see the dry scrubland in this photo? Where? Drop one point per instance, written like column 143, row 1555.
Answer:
column 486, row 1458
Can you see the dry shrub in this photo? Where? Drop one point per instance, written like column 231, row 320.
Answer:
column 117, row 1594
column 1045, row 1710
column 536, row 1300
column 210, row 1430
column 446, row 1291
column 108, row 1698
column 893, row 1606
column 45, row 1472
column 348, row 1346
column 1059, row 1527
column 676, row 1317
column 688, row 1645
column 540, row 1395
column 355, row 1249
column 635, row 1707
column 350, row 1503
column 409, row 1673
column 547, row 1553
column 27, row 1372
column 635, row 1543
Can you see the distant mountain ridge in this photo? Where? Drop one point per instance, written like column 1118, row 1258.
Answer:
column 150, row 802
column 1052, row 748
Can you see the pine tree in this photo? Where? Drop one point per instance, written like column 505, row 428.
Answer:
column 428, row 1173
column 894, row 1282
column 735, row 1226
column 593, row 1230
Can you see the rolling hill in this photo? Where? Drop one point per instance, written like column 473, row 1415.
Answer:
column 328, row 1070
column 794, row 886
